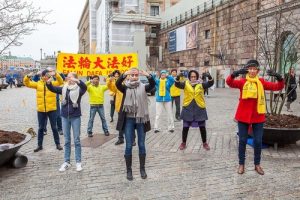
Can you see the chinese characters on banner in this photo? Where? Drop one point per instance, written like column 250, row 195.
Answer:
column 95, row 64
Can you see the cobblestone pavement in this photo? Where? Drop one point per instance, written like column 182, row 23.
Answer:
column 172, row 174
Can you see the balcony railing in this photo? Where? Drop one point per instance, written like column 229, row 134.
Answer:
column 200, row 9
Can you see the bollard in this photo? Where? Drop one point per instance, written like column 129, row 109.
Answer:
column 19, row 161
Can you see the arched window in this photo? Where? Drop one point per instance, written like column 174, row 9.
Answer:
column 288, row 53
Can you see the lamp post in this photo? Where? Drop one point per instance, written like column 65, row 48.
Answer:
column 41, row 53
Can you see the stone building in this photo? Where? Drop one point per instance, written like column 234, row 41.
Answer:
column 278, row 34
column 85, row 29
column 228, row 33
column 221, row 38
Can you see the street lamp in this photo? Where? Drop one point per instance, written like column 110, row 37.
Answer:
column 41, row 53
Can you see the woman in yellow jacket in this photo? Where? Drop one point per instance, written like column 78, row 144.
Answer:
column 46, row 105
column 194, row 109
column 175, row 94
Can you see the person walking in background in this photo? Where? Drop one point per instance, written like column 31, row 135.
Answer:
column 71, row 92
column 96, row 98
column 252, row 108
column 114, row 76
column 46, row 105
column 194, row 108
column 291, row 85
column 204, row 80
column 163, row 85
column 134, row 114
column 175, row 94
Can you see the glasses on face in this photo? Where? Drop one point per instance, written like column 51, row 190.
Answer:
column 134, row 75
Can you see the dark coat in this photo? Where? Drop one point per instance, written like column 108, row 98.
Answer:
column 122, row 115
column 68, row 110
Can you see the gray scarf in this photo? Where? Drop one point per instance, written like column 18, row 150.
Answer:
column 74, row 94
column 136, row 101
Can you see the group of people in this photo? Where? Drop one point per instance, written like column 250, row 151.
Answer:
column 130, row 101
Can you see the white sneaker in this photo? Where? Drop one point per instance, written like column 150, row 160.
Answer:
column 78, row 167
column 64, row 167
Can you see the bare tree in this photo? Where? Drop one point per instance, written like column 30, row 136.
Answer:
column 17, row 19
column 277, row 41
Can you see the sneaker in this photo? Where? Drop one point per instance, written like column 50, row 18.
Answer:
column 64, row 167
column 182, row 146
column 206, row 147
column 60, row 132
column 156, row 131
column 120, row 141
column 78, row 167
column 39, row 148
column 45, row 132
column 106, row 133
column 90, row 134
column 58, row 147
column 111, row 120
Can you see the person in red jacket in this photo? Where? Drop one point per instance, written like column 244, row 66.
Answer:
column 252, row 108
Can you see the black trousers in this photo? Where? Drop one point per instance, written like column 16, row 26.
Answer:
column 177, row 104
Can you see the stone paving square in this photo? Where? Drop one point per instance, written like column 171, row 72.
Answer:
column 172, row 174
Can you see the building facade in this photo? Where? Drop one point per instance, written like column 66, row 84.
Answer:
column 222, row 35
column 279, row 33
column 7, row 62
column 122, row 26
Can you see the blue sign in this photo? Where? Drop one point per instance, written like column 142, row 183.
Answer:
column 172, row 41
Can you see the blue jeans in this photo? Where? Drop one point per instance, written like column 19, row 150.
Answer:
column 75, row 123
column 257, row 139
column 42, row 120
column 93, row 111
column 130, row 125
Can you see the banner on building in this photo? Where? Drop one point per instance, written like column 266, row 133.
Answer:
column 183, row 38
column 95, row 64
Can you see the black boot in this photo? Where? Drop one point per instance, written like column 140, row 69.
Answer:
column 128, row 160
column 142, row 166
column 120, row 141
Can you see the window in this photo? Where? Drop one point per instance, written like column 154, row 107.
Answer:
column 154, row 10
column 207, row 34
column 206, row 63
column 153, row 29
column 166, row 45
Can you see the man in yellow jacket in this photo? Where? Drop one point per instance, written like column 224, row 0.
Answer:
column 46, row 105
column 175, row 94
column 111, row 84
column 96, row 98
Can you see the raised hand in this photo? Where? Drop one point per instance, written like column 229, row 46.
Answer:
column 238, row 72
column 271, row 72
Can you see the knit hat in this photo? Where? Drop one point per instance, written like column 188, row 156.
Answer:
column 44, row 72
column 163, row 72
column 252, row 63
column 173, row 70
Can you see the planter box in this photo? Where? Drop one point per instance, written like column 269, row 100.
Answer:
column 281, row 136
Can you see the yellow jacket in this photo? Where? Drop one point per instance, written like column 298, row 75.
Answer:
column 96, row 94
column 191, row 93
column 119, row 95
column 175, row 91
column 46, row 100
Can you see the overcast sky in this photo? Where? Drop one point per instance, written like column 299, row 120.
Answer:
column 62, row 35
